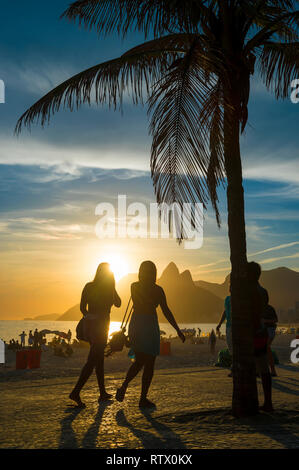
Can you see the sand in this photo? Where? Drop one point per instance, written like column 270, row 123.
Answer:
column 193, row 405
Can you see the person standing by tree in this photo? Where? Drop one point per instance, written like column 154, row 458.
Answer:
column 259, row 299
column 270, row 321
column 227, row 316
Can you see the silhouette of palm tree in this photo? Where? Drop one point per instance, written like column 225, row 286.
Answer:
column 195, row 74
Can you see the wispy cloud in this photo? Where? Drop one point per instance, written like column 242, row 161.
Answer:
column 274, row 260
column 44, row 229
column 68, row 160
column 275, row 248
column 37, row 78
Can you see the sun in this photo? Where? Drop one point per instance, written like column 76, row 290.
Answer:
column 118, row 265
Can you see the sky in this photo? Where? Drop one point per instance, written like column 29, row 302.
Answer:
column 52, row 179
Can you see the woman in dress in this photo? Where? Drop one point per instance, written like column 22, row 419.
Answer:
column 96, row 302
column 144, row 332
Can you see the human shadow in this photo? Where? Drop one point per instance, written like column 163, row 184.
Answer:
column 290, row 367
column 277, row 426
column 89, row 441
column 165, row 431
column 148, row 439
column 68, row 438
column 278, row 385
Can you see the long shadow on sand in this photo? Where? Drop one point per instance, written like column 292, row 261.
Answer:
column 68, row 438
column 279, row 427
column 170, row 437
column 148, row 439
column 282, row 387
column 89, row 441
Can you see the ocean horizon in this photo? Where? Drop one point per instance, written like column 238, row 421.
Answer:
column 10, row 329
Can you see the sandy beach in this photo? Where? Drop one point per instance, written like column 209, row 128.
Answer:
column 193, row 405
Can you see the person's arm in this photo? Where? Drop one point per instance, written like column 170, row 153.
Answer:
column 116, row 300
column 83, row 303
column 222, row 319
column 169, row 316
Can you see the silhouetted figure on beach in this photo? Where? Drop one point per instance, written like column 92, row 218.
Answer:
column 69, row 336
column 23, row 338
column 144, row 332
column 30, row 338
column 270, row 321
column 227, row 316
column 96, row 302
column 35, row 338
column 259, row 301
column 212, row 342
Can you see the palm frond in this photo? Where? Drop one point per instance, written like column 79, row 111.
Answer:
column 279, row 66
column 134, row 72
column 284, row 26
column 180, row 160
column 150, row 17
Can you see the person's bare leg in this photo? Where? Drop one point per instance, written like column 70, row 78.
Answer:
column 84, row 376
column 104, row 396
column 271, row 359
column 266, row 382
column 132, row 372
column 146, row 382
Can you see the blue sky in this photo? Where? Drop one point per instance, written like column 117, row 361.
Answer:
column 53, row 178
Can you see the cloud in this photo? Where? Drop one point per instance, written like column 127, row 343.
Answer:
column 36, row 78
column 273, row 260
column 261, row 167
column 44, row 229
column 275, row 248
column 68, row 160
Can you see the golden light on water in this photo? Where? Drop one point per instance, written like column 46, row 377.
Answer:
column 114, row 326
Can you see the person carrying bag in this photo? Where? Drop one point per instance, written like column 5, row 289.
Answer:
column 119, row 339
column 97, row 299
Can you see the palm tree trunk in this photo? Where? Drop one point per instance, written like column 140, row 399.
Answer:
column 245, row 399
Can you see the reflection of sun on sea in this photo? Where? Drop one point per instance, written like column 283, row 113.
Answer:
column 114, row 326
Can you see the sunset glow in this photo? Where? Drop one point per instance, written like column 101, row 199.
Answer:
column 118, row 265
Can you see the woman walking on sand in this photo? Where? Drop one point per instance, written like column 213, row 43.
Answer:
column 144, row 332
column 96, row 302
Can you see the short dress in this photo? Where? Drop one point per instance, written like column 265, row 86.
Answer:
column 97, row 321
column 144, row 331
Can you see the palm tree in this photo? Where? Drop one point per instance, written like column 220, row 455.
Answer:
column 195, row 76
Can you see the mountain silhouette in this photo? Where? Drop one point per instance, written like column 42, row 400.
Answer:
column 282, row 285
column 48, row 317
column 189, row 303
column 201, row 301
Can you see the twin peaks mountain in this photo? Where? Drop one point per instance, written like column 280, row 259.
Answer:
column 200, row 301
column 189, row 303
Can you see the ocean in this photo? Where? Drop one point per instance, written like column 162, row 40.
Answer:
column 12, row 329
